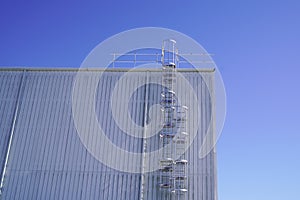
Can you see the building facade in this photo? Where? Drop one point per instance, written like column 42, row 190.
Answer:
column 43, row 157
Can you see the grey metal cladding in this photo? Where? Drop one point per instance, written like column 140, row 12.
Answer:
column 47, row 159
column 9, row 86
column 201, row 172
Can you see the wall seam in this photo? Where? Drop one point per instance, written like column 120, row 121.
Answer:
column 144, row 139
column 12, row 131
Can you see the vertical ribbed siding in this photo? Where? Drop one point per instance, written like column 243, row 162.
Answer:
column 9, row 87
column 48, row 160
column 201, row 172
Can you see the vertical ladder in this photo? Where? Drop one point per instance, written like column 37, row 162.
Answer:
column 173, row 136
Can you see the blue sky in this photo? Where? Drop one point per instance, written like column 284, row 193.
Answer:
column 256, row 46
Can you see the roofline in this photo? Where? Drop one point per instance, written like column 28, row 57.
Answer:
column 37, row 69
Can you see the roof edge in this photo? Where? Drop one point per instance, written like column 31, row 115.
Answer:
column 103, row 69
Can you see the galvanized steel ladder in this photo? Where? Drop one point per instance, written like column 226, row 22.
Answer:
column 173, row 181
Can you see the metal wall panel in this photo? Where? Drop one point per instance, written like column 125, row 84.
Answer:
column 49, row 161
column 9, row 88
column 201, row 172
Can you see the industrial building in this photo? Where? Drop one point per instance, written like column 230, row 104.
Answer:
column 43, row 157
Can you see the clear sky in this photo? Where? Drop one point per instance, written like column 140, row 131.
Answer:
column 256, row 45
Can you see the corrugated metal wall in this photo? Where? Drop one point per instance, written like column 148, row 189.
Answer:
column 9, row 88
column 47, row 159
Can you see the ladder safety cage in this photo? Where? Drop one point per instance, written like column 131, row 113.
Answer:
column 173, row 135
